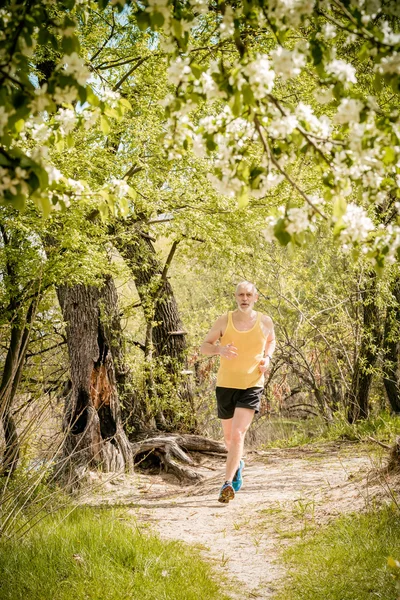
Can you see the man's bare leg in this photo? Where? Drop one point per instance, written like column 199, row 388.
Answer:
column 227, row 429
column 240, row 423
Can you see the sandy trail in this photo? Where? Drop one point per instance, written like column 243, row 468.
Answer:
column 283, row 493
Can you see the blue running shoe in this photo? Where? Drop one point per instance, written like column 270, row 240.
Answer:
column 226, row 493
column 238, row 479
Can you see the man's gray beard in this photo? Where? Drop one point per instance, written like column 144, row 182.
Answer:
column 248, row 309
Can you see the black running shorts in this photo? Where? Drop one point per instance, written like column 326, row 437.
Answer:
column 230, row 398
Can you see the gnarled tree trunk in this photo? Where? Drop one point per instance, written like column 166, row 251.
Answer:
column 94, row 435
column 391, row 375
column 371, row 338
column 165, row 339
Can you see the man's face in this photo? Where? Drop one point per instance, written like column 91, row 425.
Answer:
column 246, row 297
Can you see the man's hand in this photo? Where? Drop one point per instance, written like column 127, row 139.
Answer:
column 229, row 351
column 264, row 364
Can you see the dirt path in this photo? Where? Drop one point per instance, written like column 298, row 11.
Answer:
column 283, row 493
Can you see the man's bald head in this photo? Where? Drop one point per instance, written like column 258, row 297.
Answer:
column 245, row 284
column 246, row 295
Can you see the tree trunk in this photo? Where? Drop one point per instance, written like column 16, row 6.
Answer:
column 371, row 338
column 21, row 318
column 168, row 342
column 94, row 436
column 132, row 407
column 391, row 349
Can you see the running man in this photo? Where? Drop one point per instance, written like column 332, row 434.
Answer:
column 245, row 341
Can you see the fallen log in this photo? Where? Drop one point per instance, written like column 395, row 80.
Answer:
column 171, row 450
column 394, row 457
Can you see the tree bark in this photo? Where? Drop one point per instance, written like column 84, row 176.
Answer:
column 391, row 347
column 21, row 317
column 94, row 435
column 165, row 339
column 371, row 339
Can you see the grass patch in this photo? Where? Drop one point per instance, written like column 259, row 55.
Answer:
column 383, row 427
column 347, row 560
column 98, row 554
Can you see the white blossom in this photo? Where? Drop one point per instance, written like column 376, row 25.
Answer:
column 74, row 65
column 41, row 99
column 348, row 111
column 68, row 94
column 283, row 126
column 8, row 183
column 298, row 220
column 90, row 117
column 76, row 185
column 260, row 75
column 357, row 224
column 210, row 88
column 342, row 70
column 178, row 71
column 268, row 232
column 4, row 116
column 229, row 185
column 227, row 27
column 160, row 6
column 121, row 188
column 199, row 6
column 109, row 95
column 389, row 64
column 68, row 31
column 372, row 179
column 66, row 117
column 40, row 132
column 329, row 31
column 199, row 147
column 267, row 183
column 287, row 63
column 167, row 44
column 53, row 173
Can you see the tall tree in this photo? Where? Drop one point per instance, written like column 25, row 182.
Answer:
column 94, row 434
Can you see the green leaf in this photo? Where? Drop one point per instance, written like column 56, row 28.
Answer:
column 123, row 206
column 378, row 82
column 70, row 44
column 338, row 227
column 389, row 156
column 243, row 198
column 104, row 125
column 157, row 19
column 280, row 232
column 196, row 70
column 143, row 20
column 45, row 205
column 339, row 207
column 237, row 104
column 111, row 112
column 92, row 98
column 19, row 125
column 248, row 96
column 316, row 52
column 132, row 193
column 125, row 103
column 60, row 144
column 18, row 201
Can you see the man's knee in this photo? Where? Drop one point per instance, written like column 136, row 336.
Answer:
column 227, row 440
column 238, row 434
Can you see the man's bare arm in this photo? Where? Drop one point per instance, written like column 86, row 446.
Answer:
column 209, row 347
column 271, row 343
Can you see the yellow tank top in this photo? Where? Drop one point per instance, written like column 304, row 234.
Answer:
column 242, row 371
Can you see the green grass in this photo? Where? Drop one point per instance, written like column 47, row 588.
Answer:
column 383, row 427
column 347, row 560
column 99, row 554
